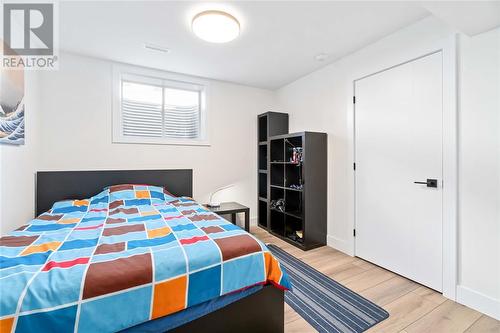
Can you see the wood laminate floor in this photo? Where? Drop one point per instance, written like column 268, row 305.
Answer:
column 413, row 308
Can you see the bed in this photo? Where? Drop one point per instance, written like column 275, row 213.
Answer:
column 130, row 250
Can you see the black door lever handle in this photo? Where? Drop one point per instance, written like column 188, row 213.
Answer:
column 429, row 183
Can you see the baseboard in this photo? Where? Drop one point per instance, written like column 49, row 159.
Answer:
column 254, row 220
column 477, row 301
column 339, row 244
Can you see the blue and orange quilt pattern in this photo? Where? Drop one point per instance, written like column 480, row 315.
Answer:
column 129, row 254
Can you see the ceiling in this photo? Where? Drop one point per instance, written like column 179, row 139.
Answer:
column 468, row 17
column 278, row 42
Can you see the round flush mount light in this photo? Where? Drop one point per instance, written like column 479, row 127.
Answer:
column 215, row 26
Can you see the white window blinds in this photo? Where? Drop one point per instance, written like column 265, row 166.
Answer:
column 160, row 109
column 181, row 113
column 142, row 110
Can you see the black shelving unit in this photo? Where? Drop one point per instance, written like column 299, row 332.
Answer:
column 269, row 124
column 302, row 186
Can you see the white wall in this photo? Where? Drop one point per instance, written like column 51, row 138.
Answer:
column 18, row 164
column 322, row 101
column 74, row 133
column 479, row 170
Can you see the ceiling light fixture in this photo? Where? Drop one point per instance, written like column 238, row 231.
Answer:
column 215, row 26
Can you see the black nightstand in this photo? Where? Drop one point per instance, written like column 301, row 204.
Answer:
column 232, row 208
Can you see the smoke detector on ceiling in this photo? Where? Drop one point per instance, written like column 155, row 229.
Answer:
column 321, row 57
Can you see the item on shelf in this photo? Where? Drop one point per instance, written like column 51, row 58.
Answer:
column 299, row 233
column 297, row 187
column 278, row 205
column 295, row 237
column 296, row 155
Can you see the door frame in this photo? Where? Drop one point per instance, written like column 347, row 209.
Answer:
column 448, row 49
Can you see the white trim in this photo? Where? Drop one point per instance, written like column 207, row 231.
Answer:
column 478, row 301
column 155, row 76
column 254, row 221
column 448, row 47
column 339, row 244
column 450, row 168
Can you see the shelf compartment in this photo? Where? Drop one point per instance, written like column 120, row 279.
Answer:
column 277, row 222
column 294, row 229
column 262, row 214
column 277, row 153
column 277, row 193
column 292, row 214
column 293, row 175
column 262, row 128
column 293, row 203
column 277, row 175
column 262, row 157
column 262, row 185
column 290, row 143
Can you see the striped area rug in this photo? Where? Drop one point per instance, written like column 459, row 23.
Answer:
column 325, row 304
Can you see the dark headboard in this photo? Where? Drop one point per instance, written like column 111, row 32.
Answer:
column 52, row 186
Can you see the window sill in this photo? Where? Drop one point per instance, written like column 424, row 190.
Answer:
column 173, row 142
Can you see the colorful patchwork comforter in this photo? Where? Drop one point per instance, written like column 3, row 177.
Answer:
column 131, row 253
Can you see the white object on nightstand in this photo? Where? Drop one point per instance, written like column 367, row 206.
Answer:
column 211, row 202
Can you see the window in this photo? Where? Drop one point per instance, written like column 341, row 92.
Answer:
column 158, row 109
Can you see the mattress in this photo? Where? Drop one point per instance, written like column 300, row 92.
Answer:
column 129, row 254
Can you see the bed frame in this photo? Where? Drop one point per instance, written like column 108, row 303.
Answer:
column 52, row 186
column 262, row 311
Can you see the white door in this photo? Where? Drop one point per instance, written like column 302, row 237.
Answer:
column 398, row 141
